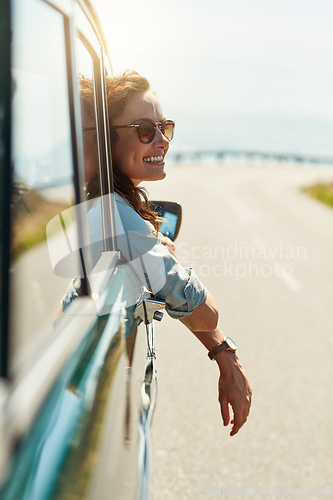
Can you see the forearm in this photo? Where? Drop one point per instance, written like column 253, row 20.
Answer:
column 204, row 318
column 203, row 323
column 210, row 338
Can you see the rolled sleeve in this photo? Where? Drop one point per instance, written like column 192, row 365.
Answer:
column 183, row 291
column 154, row 266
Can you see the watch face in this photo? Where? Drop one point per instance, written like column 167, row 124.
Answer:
column 231, row 344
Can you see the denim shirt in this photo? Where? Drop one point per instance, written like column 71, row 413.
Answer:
column 152, row 263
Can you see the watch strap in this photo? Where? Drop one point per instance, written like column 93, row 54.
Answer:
column 219, row 348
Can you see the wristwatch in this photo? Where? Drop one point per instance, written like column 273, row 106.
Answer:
column 227, row 345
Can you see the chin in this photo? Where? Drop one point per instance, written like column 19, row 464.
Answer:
column 158, row 176
column 151, row 177
column 162, row 176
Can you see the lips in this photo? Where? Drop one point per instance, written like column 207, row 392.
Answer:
column 153, row 159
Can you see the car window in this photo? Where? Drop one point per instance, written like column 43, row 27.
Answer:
column 97, row 176
column 85, row 74
column 42, row 173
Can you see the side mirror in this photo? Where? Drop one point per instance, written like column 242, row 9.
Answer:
column 172, row 213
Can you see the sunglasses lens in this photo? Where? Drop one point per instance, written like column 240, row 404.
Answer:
column 168, row 129
column 146, row 132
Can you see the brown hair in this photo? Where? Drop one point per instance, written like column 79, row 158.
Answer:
column 87, row 96
column 119, row 90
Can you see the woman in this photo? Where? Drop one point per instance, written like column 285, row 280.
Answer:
column 140, row 137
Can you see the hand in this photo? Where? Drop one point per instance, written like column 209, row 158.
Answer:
column 164, row 239
column 234, row 389
column 169, row 244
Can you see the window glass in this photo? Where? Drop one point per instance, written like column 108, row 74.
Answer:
column 42, row 176
column 85, row 68
column 87, row 64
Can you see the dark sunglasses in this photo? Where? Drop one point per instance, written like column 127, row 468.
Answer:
column 147, row 130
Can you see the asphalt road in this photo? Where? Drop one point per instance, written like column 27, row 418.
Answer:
column 264, row 249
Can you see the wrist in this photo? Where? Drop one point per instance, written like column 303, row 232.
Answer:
column 224, row 357
column 227, row 344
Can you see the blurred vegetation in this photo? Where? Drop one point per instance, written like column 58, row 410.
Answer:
column 322, row 192
column 31, row 213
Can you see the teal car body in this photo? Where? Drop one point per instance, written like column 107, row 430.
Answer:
column 77, row 387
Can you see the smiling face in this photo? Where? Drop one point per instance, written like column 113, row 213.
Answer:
column 140, row 161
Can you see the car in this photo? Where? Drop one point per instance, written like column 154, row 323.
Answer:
column 78, row 383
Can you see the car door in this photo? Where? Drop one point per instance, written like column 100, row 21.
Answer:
column 77, row 390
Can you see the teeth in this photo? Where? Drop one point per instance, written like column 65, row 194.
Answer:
column 154, row 158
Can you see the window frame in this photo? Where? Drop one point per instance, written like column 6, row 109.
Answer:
column 22, row 399
column 72, row 27
column 83, row 25
column 103, row 142
column 5, row 179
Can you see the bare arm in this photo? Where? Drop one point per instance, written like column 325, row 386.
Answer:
column 234, row 387
column 168, row 243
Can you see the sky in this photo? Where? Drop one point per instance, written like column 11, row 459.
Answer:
column 234, row 74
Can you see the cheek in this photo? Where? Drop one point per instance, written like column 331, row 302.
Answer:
column 117, row 154
column 127, row 156
column 125, row 162
column 122, row 151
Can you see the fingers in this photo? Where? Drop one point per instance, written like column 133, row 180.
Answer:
column 225, row 412
column 240, row 404
column 169, row 244
column 240, row 416
column 237, row 422
column 234, row 389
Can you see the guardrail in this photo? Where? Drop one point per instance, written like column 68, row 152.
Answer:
column 222, row 155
